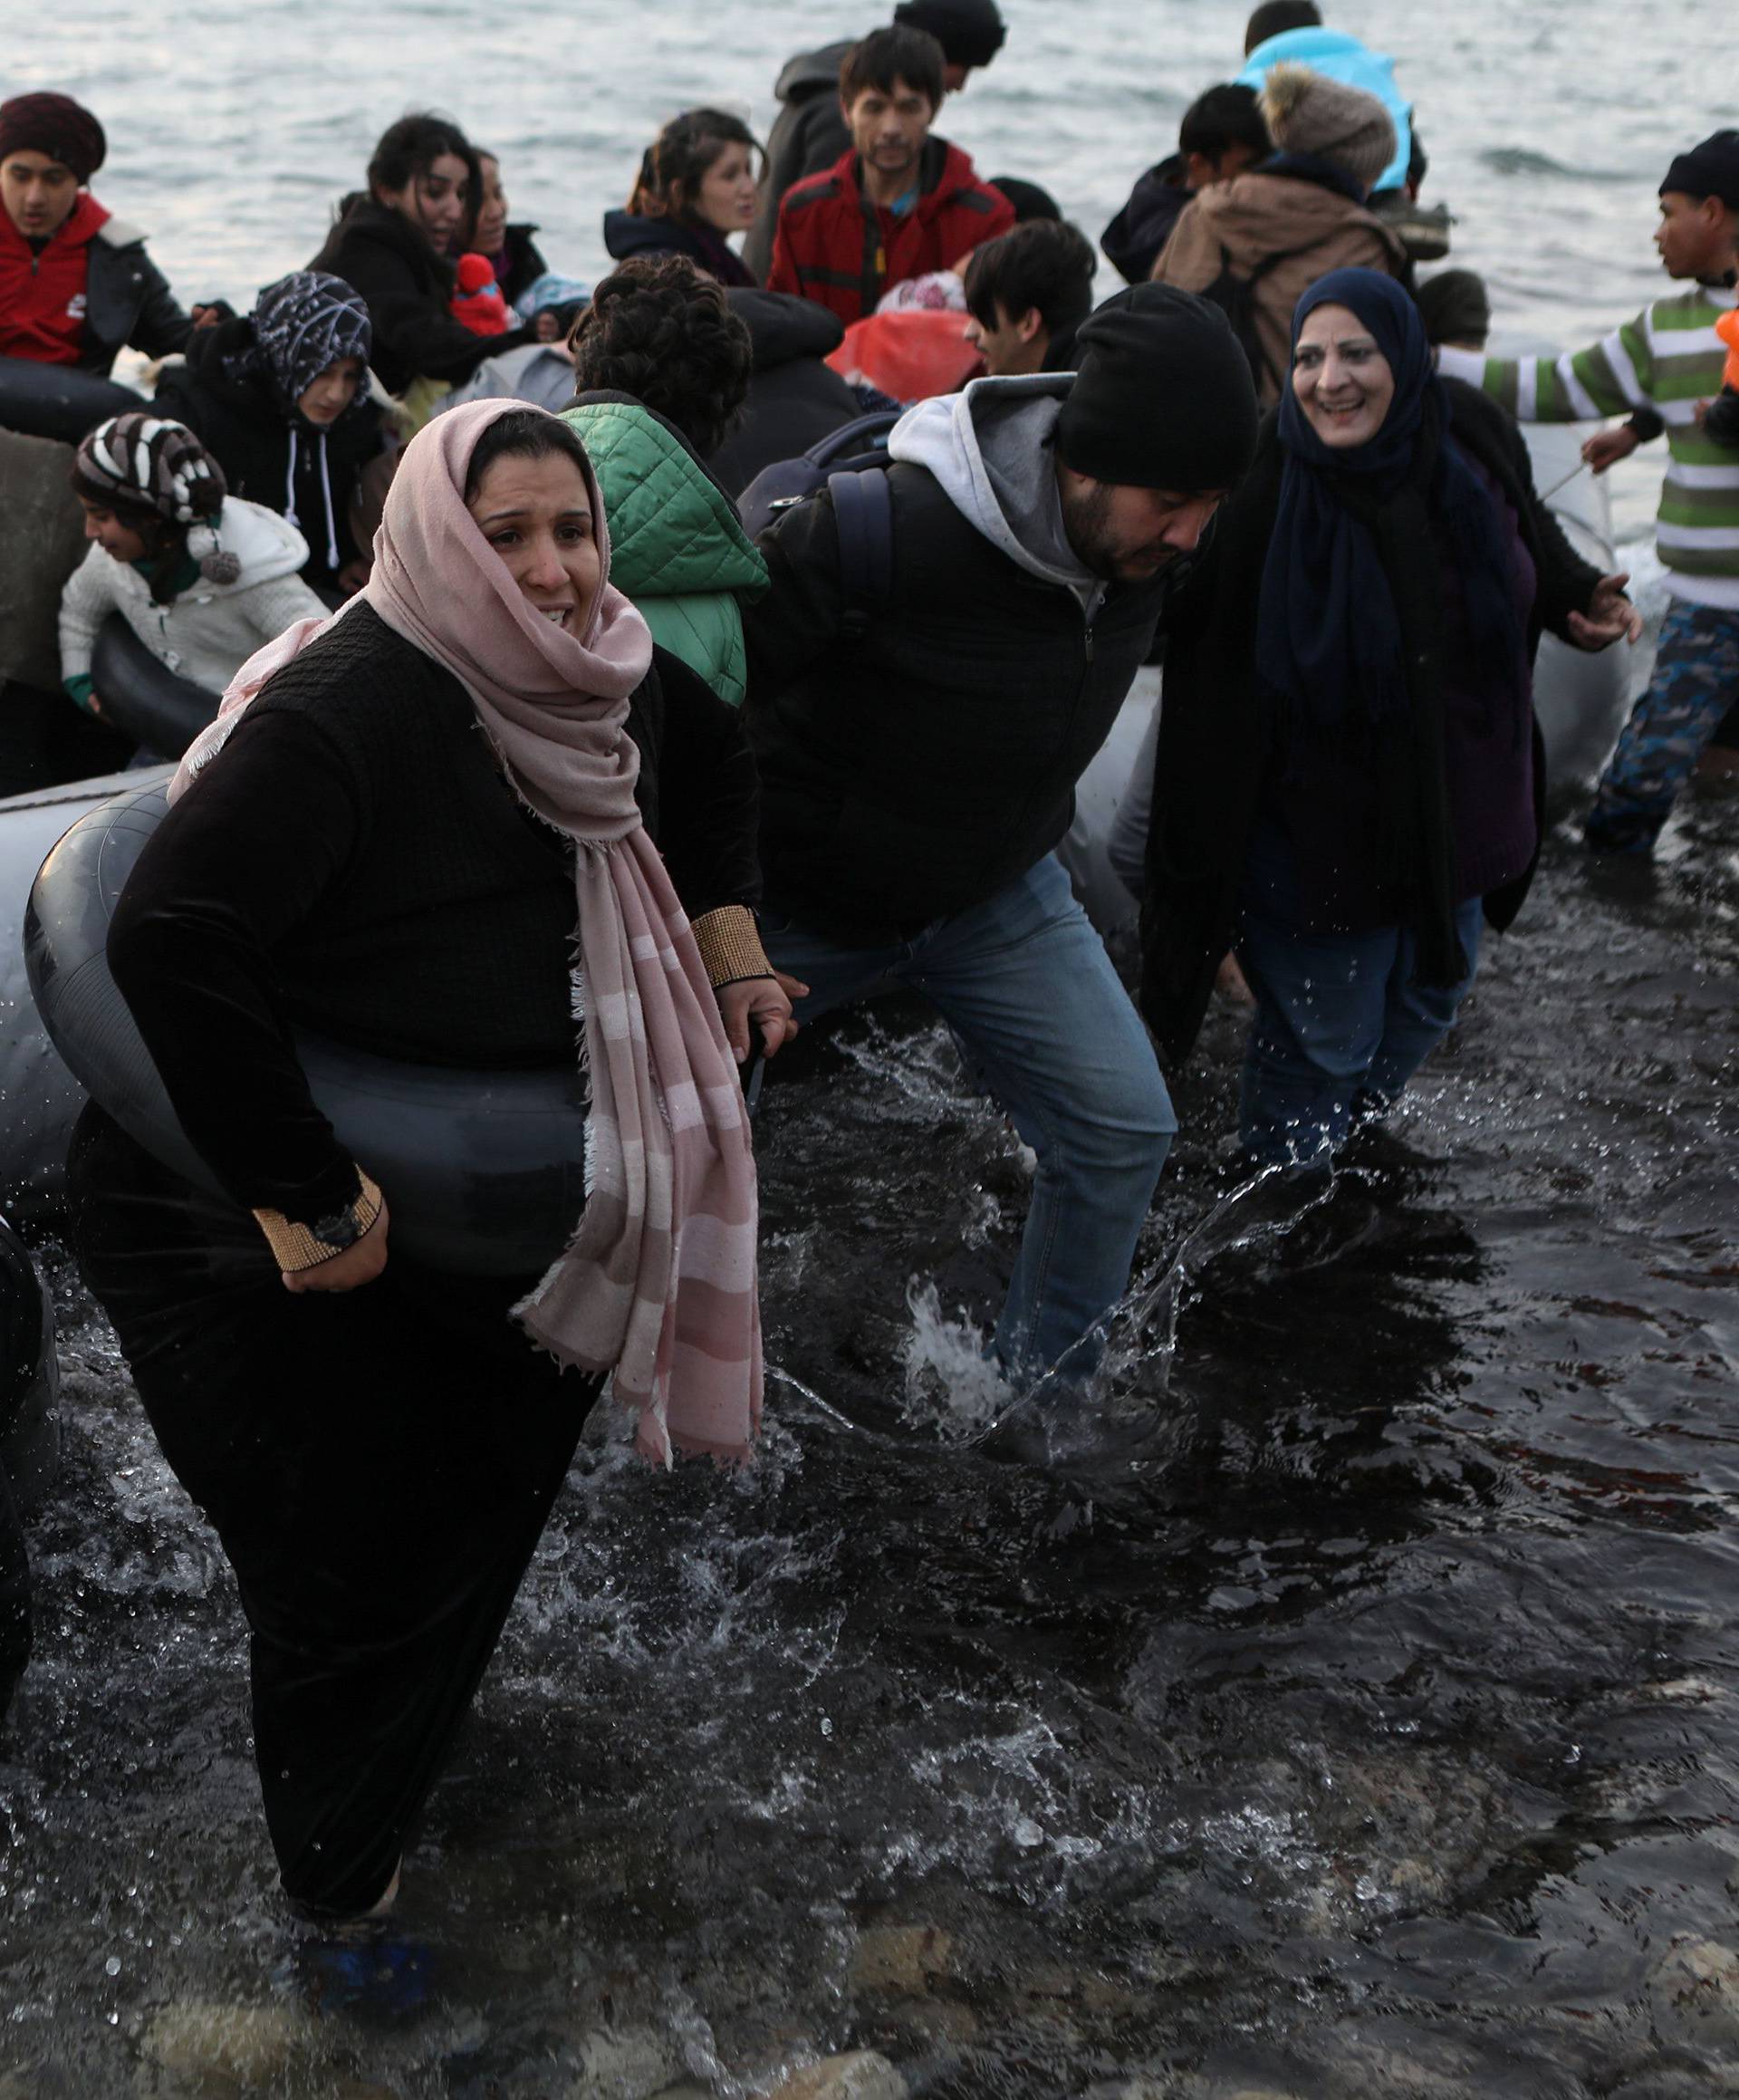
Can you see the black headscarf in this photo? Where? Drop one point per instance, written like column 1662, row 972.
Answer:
column 1349, row 626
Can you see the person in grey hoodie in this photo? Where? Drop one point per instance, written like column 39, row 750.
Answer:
column 919, row 758
column 810, row 133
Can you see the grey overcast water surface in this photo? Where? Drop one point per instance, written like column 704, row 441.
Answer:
column 1379, row 1739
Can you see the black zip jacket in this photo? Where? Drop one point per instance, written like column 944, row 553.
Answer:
column 407, row 287
column 794, row 398
column 247, row 427
column 127, row 300
column 355, row 862
column 911, row 774
column 1217, row 736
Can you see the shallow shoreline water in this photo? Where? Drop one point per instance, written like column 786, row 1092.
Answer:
column 1377, row 1739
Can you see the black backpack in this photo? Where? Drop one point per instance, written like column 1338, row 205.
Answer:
column 1236, row 298
column 852, row 464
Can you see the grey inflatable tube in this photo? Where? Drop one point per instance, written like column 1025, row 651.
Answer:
column 143, row 697
column 58, row 401
column 484, row 1171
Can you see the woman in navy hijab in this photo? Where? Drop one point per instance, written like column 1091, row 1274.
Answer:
column 1349, row 779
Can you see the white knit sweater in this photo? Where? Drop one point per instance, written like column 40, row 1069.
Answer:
column 211, row 629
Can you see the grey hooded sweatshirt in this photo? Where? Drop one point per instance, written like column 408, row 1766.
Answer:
column 991, row 449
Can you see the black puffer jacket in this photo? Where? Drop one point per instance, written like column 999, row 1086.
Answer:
column 794, row 398
column 1134, row 238
column 525, row 263
column 912, row 774
column 1217, row 736
column 407, row 286
column 127, row 300
column 248, row 429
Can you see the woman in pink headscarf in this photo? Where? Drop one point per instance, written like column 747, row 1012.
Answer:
column 426, row 827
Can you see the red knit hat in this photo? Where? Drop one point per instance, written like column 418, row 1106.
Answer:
column 55, row 125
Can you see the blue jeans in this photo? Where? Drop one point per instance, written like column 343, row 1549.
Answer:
column 1340, row 1027
column 1025, row 983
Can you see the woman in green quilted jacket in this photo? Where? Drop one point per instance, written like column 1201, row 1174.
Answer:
column 661, row 366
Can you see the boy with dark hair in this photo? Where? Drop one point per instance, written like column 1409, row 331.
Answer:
column 1669, row 360
column 1221, row 134
column 899, row 203
column 1026, row 295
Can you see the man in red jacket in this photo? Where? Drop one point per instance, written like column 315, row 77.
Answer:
column 900, row 203
column 76, row 284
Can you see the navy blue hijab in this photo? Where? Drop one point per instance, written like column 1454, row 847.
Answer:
column 1336, row 627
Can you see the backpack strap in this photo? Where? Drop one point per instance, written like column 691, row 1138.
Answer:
column 863, row 510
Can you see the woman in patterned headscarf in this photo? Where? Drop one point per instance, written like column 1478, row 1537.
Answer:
column 280, row 398
column 473, row 804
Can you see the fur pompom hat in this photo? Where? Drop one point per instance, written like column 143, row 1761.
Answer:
column 1308, row 112
column 145, row 463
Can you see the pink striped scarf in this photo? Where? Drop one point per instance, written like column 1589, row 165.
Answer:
column 658, row 1284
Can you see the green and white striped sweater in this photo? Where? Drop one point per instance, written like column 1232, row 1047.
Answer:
column 1668, row 358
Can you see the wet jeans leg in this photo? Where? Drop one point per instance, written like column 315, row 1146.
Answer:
column 1696, row 683
column 1026, row 986
column 1025, row 983
column 1337, row 1017
column 1416, row 1018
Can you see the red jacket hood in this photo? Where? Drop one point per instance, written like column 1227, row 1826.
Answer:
column 83, row 222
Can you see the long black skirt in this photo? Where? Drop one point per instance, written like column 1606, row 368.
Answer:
column 379, row 1465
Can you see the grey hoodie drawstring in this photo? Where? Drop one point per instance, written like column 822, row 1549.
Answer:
column 326, row 489
column 290, row 484
column 331, row 527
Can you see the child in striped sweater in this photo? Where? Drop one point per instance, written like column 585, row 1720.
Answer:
column 1669, row 359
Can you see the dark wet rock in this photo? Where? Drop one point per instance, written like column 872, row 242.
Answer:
column 623, row 2064
column 860, row 2075
column 217, row 2050
column 906, row 1960
column 1695, row 1990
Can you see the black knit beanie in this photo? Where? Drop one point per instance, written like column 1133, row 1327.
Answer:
column 1710, row 169
column 1456, row 307
column 1029, row 201
column 1163, row 396
column 55, row 125
column 970, row 31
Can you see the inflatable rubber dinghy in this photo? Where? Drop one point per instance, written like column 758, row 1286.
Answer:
column 59, row 400
column 485, row 1171
column 143, row 697
column 1581, row 701
column 40, row 1100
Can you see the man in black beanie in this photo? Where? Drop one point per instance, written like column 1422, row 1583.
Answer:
column 810, row 133
column 919, row 756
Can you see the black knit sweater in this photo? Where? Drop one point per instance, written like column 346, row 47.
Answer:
column 356, row 863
